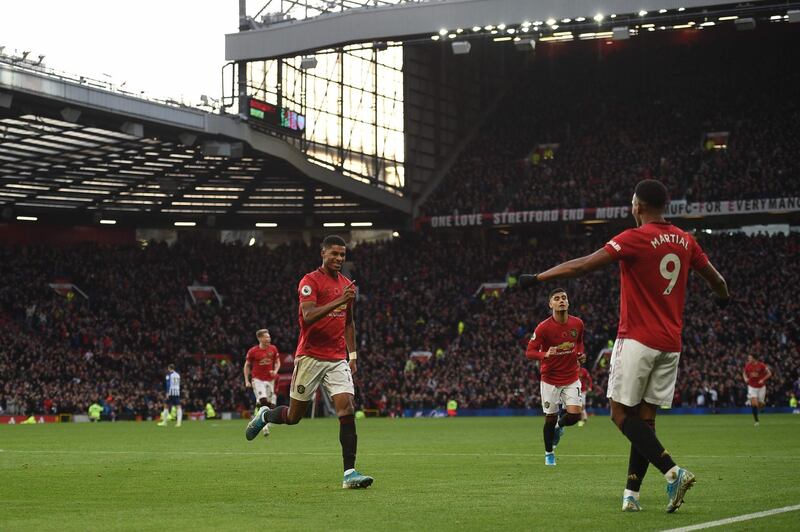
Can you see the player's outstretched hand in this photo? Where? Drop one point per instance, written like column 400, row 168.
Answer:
column 528, row 280
column 722, row 302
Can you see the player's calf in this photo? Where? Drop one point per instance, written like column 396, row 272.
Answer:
column 568, row 419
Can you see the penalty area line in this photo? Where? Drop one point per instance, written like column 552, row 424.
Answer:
column 737, row 519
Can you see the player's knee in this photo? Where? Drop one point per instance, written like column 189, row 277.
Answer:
column 550, row 419
column 618, row 418
column 571, row 419
column 345, row 411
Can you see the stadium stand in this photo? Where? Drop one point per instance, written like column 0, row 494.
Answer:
column 649, row 113
column 61, row 353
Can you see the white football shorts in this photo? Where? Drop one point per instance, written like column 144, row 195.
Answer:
column 309, row 372
column 641, row 373
column 758, row 393
column 264, row 389
column 568, row 395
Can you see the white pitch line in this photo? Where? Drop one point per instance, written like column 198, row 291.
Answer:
column 746, row 517
column 410, row 453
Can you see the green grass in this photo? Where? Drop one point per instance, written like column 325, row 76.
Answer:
column 431, row 474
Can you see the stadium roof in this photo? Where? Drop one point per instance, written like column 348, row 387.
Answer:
column 72, row 153
column 414, row 20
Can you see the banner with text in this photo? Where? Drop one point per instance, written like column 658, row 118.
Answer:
column 676, row 209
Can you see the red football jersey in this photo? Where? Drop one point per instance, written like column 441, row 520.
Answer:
column 562, row 368
column 325, row 338
column 755, row 371
column 262, row 361
column 586, row 379
column 654, row 268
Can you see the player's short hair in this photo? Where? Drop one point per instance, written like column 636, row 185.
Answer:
column 171, row 367
column 555, row 291
column 652, row 193
column 261, row 332
column 333, row 240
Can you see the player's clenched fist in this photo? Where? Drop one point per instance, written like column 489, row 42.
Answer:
column 550, row 352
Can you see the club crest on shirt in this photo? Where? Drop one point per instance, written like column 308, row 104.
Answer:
column 573, row 333
column 305, row 290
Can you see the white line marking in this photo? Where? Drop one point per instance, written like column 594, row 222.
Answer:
column 746, row 517
column 410, row 453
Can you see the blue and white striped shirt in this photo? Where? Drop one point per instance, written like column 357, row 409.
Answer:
column 173, row 383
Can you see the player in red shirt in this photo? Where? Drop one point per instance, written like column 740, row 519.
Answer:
column 557, row 343
column 263, row 362
column 655, row 258
column 586, row 386
column 756, row 374
column 326, row 355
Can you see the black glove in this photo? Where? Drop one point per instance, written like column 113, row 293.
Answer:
column 722, row 302
column 528, row 280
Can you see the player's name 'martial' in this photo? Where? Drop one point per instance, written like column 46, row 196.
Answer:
column 669, row 238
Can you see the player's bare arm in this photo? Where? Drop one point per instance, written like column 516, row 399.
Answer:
column 715, row 280
column 247, row 382
column 276, row 366
column 766, row 377
column 569, row 269
column 350, row 337
column 312, row 313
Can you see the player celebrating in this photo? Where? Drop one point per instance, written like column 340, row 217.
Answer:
column 756, row 374
column 586, row 385
column 327, row 327
column 173, row 397
column 263, row 362
column 655, row 258
column 558, row 343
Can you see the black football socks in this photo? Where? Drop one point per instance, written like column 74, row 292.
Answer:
column 549, row 433
column 637, row 464
column 349, row 440
column 644, row 440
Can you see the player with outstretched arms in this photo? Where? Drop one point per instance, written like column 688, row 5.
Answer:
column 557, row 343
column 756, row 374
column 261, row 369
column 326, row 355
column 654, row 262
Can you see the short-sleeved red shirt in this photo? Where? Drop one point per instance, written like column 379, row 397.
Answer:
column 755, row 371
column 262, row 361
column 325, row 338
column 654, row 262
column 562, row 368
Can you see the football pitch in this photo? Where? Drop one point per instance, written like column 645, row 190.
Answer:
column 430, row 474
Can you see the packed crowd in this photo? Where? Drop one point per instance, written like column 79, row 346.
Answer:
column 417, row 293
column 646, row 114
